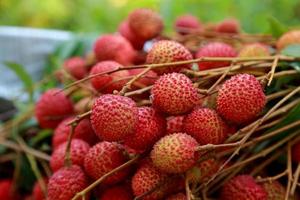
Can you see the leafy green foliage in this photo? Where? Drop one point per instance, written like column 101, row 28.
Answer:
column 276, row 28
column 292, row 50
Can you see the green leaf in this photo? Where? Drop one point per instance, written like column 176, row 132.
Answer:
column 292, row 50
column 23, row 76
column 296, row 66
column 26, row 178
column 276, row 28
column 41, row 135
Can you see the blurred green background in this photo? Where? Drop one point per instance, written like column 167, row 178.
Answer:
column 105, row 15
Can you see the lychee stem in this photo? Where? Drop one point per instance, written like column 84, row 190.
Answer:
column 216, row 146
column 102, row 178
column 272, row 178
column 79, row 118
column 68, row 161
column 295, row 179
column 289, row 168
column 187, row 189
column 273, row 68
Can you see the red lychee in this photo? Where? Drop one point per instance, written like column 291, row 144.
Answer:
column 114, row 117
column 114, row 47
column 107, row 83
column 165, row 51
column 66, row 182
column 174, row 94
column 78, row 150
column 179, row 196
column 228, row 26
column 174, row 153
column 296, row 152
column 187, row 24
column 151, row 126
column 119, row 192
column 290, row 37
column 83, row 131
column 125, row 30
column 175, row 124
column 243, row 187
column 37, row 191
column 145, row 23
column 275, row 190
column 215, row 49
column 146, row 178
column 241, row 99
column 76, row 67
column 206, row 126
column 52, row 108
column 254, row 50
column 104, row 157
column 7, row 190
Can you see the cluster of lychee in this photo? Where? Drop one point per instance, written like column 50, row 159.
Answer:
column 162, row 127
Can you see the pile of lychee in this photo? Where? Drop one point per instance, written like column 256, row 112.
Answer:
column 153, row 131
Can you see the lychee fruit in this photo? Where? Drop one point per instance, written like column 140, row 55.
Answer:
column 243, row 187
column 83, row 131
column 114, row 117
column 52, row 107
column 254, row 50
column 174, row 153
column 150, row 127
column 78, row 151
column 290, row 37
column 37, row 191
column 166, row 51
column 145, row 23
column 107, row 83
column 104, row 157
column 146, row 178
column 187, row 24
column 174, row 94
column 296, row 152
column 206, row 126
column 228, row 26
column 178, row 196
column 76, row 67
column 241, row 99
column 66, row 182
column 119, row 192
column 114, row 47
column 275, row 190
column 215, row 49
column 125, row 30
column 7, row 190
column 175, row 124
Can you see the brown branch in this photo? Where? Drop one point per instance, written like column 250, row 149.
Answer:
column 68, row 160
column 295, row 179
column 272, row 178
column 289, row 170
column 273, row 68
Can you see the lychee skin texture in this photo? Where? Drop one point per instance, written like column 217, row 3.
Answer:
column 104, row 157
column 76, row 67
column 275, row 190
column 174, row 153
column 146, row 178
column 243, row 187
column 145, row 23
column 179, row 196
column 291, row 37
column 66, row 182
column 241, row 99
column 228, row 26
column 114, row 47
column 120, row 192
column 296, row 152
column 165, row 51
column 79, row 149
column 7, row 191
column 151, row 126
column 215, row 49
column 114, row 117
column 254, row 50
column 206, row 126
column 83, row 131
column 37, row 192
column 175, row 124
column 125, row 30
column 187, row 24
column 107, row 83
column 52, row 108
column 174, row 94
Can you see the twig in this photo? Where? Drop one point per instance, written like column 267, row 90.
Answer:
column 289, row 170
column 272, row 178
column 78, row 118
column 216, row 146
column 187, row 189
column 273, row 68
column 295, row 180
column 68, row 160
column 102, row 178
